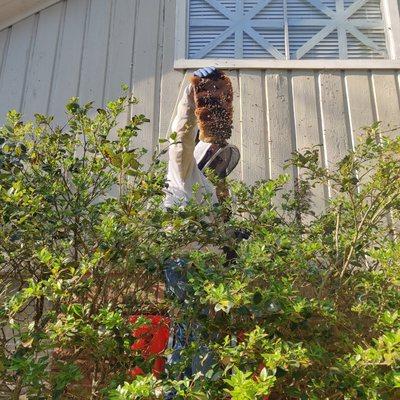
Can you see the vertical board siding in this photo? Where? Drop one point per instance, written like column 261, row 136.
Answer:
column 119, row 65
column 15, row 65
column 280, row 128
column 68, row 62
column 334, row 116
column 40, row 71
column 386, row 99
column 254, row 144
column 4, row 35
column 95, row 52
column 171, row 79
column 87, row 48
column 308, row 123
column 236, row 138
column 360, row 102
column 146, row 70
column 120, row 53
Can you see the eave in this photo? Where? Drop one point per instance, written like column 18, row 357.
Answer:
column 12, row 11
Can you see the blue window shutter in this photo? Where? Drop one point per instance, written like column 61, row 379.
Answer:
column 312, row 34
column 286, row 29
column 236, row 29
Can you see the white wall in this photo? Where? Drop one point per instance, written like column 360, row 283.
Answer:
column 87, row 48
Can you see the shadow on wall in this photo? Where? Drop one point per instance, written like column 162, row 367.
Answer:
column 87, row 49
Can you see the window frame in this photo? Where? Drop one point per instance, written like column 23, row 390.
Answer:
column 390, row 14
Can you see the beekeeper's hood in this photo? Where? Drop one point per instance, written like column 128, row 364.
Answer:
column 222, row 159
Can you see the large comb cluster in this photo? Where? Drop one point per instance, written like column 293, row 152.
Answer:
column 213, row 99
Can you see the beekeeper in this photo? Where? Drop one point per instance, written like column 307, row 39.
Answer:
column 188, row 160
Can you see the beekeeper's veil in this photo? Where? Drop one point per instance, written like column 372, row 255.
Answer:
column 222, row 159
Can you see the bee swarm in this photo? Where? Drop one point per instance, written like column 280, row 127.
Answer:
column 213, row 99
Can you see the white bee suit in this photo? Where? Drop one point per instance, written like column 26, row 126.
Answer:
column 184, row 156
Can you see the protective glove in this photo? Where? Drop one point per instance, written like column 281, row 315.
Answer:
column 204, row 72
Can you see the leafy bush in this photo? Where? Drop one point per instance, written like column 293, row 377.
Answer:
column 281, row 302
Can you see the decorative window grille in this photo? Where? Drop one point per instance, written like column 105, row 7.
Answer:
column 286, row 29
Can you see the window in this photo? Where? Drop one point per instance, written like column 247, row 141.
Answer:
column 285, row 32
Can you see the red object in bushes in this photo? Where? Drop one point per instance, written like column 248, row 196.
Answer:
column 140, row 344
column 151, row 339
column 158, row 366
column 135, row 372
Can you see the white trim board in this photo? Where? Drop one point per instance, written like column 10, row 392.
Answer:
column 13, row 11
column 287, row 64
column 391, row 15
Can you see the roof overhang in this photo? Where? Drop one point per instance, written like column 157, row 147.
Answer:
column 12, row 11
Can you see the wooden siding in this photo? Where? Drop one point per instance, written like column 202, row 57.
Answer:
column 87, row 48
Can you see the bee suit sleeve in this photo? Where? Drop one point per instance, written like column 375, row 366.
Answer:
column 183, row 172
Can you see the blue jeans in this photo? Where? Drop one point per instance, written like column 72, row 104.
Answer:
column 176, row 286
column 175, row 279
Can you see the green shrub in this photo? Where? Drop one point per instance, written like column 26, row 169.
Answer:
column 305, row 307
